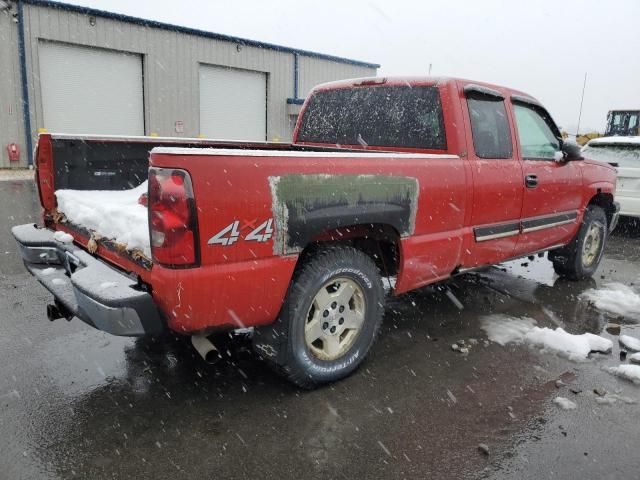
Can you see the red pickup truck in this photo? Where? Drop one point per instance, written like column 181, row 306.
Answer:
column 414, row 179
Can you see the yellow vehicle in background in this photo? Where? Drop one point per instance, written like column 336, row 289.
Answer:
column 620, row 123
column 586, row 137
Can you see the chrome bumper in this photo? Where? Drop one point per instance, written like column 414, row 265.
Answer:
column 86, row 287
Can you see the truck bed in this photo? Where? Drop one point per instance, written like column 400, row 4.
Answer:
column 95, row 162
column 76, row 173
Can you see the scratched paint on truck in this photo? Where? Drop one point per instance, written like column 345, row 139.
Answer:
column 305, row 206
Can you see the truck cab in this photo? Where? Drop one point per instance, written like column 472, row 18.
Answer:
column 623, row 123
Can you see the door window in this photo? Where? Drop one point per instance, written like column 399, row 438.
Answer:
column 537, row 139
column 490, row 128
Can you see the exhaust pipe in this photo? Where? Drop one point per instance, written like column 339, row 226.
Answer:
column 53, row 313
column 206, row 349
column 56, row 311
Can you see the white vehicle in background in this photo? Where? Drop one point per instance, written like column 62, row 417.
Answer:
column 624, row 154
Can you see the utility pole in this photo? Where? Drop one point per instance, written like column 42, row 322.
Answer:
column 429, row 69
column 584, row 85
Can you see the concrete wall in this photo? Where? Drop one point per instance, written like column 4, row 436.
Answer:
column 170, row 65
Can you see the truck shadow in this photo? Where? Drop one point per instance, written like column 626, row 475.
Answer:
column 168, row 400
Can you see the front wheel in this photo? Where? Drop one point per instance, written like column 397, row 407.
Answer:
column 580, row 259
column 330, row 319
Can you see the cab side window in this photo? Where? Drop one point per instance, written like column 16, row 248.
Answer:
column 537, row 139
column 490, row 127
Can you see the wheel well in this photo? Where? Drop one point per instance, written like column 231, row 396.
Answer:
column 379, row 241
column 604, row 200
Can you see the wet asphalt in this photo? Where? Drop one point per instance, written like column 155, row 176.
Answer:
column 78, row 403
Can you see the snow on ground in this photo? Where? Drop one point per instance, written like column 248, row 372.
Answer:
column 573, row 347
column 629, row 342
column 115, row 215
column 504, row 329
column 628, row 372
column 48, row 271
column 635, row 358
column 615, row 298
column 565, row 403
column 611, row 398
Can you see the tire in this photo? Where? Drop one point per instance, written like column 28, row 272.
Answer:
column 336, row 289
column 580, row 259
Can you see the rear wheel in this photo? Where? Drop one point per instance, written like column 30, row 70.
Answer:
column 580, row 259
column 330, row 319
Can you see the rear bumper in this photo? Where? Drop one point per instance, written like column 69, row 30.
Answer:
column 629, row 206
column 86, row 287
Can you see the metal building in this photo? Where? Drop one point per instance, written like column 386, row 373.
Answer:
column 71, row 69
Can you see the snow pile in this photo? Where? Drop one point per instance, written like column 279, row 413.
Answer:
column 635, row 358
column 115, row 215
column 573, row 347
column 504, row 329
column 63, row 237
column 615, row 298
column 628, row 372
column 630, row 343
column 565, row 403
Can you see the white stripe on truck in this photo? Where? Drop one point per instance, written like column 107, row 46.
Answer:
column 230, row 152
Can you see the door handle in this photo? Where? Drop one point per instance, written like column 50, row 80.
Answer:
column 531, row 181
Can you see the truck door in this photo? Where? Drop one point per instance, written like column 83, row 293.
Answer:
column 553, row 189
column 497, row 178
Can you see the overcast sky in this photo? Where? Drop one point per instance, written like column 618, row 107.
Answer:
column 541, row 47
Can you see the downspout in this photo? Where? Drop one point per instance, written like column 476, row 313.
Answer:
column 26, row 108
column 296, row 75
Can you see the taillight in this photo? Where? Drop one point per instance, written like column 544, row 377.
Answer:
column 173, row 224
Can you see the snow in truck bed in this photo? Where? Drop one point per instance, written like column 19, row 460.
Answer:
column 112, row 214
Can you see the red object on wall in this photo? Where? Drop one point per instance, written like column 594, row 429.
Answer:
column 13, row 149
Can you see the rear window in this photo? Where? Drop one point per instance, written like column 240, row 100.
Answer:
column 408, row 117
column 623, row 155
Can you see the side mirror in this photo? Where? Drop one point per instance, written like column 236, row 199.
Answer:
column 571, row 151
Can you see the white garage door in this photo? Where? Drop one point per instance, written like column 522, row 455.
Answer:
column 233, row 103
column 87, row 90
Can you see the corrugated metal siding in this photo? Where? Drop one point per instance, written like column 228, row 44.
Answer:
column 314, row 71
column 170, row 64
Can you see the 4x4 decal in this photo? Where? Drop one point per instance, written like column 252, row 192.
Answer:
column 231, row 233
